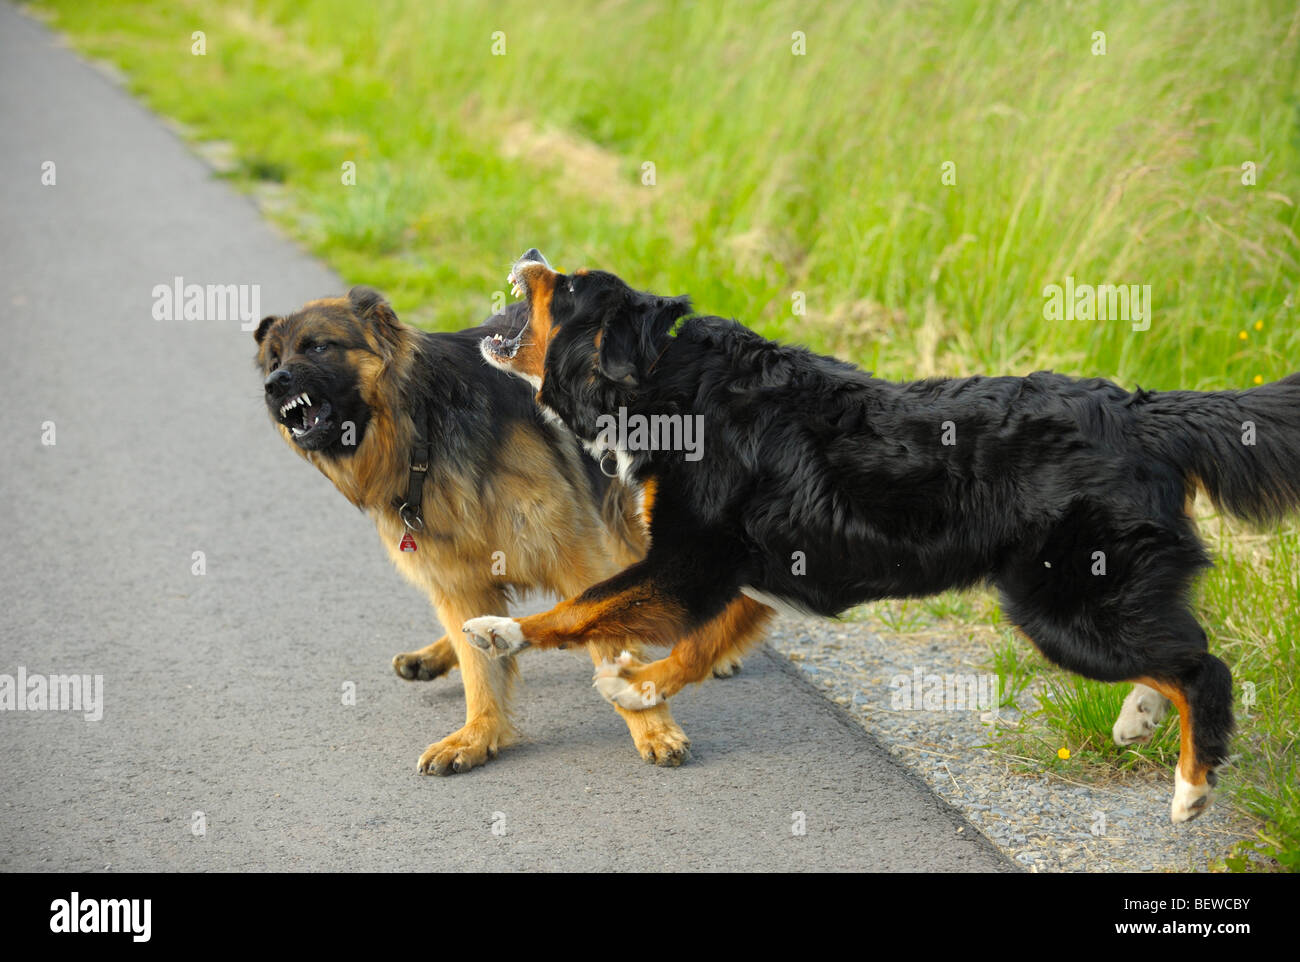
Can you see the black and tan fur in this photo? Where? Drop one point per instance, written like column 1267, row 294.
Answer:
column 501, row 479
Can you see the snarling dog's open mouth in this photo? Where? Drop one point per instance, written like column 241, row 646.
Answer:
column 305, row 418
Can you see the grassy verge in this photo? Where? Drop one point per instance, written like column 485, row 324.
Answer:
column 901, row 193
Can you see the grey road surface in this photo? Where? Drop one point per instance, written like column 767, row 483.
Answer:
column 223, row 692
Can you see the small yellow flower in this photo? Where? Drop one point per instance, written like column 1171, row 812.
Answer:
column 1243, row 335
column 1259, row 379
column 1259, row 325
column 1062, row 753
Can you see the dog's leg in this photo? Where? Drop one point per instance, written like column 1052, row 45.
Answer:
column 1203, row 697
column 488, row 683
column 1143, row 710
column 658, row 738
column 630, row 684
column 639, row 604
column 427, row 663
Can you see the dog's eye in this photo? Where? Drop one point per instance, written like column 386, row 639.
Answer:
column 275, row 362
column 319, row 348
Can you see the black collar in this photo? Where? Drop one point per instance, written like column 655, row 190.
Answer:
column 410, row 509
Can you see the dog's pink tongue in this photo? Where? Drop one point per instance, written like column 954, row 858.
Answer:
column 310, row 415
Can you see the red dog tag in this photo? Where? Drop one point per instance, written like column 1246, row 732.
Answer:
column 408, row 543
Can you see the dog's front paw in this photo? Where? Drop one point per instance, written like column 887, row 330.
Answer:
column 496, row 636
column 616, row 684
column 460, row 751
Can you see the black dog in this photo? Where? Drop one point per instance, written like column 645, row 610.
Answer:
column 821, row 487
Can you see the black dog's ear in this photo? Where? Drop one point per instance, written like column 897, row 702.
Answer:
column 259, row 335
column 370, row 306
column 633, row 334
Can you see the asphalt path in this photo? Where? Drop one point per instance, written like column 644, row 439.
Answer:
column 223, row 692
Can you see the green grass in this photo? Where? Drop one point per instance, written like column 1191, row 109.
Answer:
column 1081, row 712
column 1250, row 604
column 1015, row 671
column 816, row 177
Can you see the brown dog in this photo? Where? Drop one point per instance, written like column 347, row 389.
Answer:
column 475, row 494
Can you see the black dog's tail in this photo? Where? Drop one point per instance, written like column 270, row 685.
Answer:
column 1242, row 446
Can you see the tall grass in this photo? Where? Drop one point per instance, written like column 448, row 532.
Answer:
column 778, row 173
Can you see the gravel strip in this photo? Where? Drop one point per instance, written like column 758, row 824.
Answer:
column 1045, row 822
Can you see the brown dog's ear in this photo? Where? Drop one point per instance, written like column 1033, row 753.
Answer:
column 374, row 311
column 259, row 335
column 633, row 334
column 368, row 303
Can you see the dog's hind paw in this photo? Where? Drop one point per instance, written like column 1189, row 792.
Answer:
column 1143, row 710
column 614, row 686
column 726, row 666
column 1190, row 799
column 495, row 636
column 666, row 747
column 427, row 663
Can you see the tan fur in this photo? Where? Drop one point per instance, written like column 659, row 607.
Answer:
column 1192, row 771
column 531, row 355
column 642, row 612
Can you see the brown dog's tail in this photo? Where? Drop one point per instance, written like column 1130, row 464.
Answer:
column 1243, row 447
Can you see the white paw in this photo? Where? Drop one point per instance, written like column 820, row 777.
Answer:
column 1143, row 710
column 1189, row 800
column 617, row 690
column 495, row 635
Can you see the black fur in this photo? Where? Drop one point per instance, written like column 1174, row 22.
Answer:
column 1047, row 479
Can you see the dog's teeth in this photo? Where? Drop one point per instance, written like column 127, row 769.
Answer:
column 306, row 400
